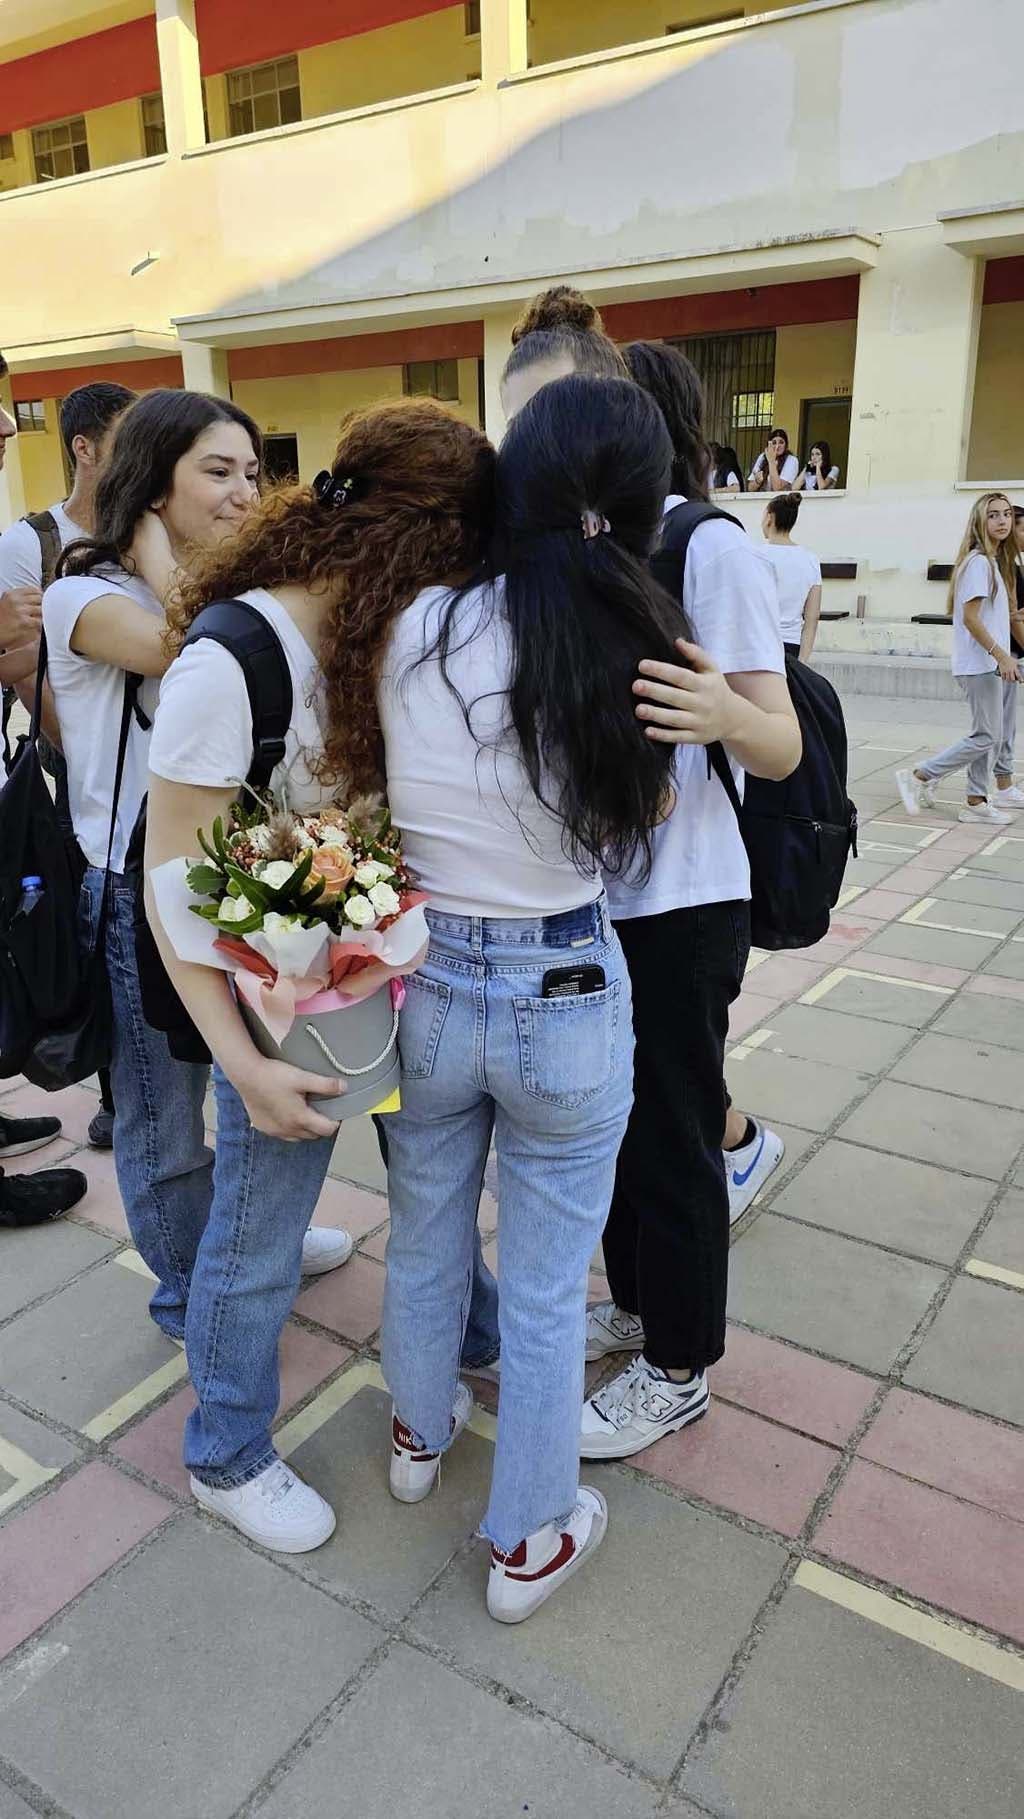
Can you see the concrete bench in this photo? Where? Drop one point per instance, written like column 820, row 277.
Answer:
column 930, row 619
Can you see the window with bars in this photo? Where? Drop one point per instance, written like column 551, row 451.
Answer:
column 30, row 414
column 738, row 375
column 154, row 133
column 432, row 379
column 60, row 150
column 265, row 96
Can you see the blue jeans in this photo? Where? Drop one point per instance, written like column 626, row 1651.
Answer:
column 483, row 1050
column 224, row 1238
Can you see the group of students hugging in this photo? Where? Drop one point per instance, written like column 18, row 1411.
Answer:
column 478, row 632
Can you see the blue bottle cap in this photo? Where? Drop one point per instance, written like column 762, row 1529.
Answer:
column 32, row 884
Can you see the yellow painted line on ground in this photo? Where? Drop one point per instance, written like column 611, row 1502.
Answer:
column 1001, row 840
column 361, row 1376
column 917, row 1626
column 485, row 1424
column 850, row 894
column 994, row 1272
column 130, row 1260
column 883, row 846
column 758, row 956
column 822, row 987
column 915, row 916
column 27, row 1473
column 174, row 1371
column 755, row 1040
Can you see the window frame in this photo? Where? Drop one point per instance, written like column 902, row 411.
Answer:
column 34, row 423
column 409, row 390
column 147, row 125
column 249, row 100
column 53, row 126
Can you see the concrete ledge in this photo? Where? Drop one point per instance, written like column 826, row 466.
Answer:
column 904, row 678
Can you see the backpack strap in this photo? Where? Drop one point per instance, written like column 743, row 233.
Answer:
column 45, row 526
column 252, row 641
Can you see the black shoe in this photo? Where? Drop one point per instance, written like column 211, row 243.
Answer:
column 19, row 1135
column 32, row 1199
column 101, row 1130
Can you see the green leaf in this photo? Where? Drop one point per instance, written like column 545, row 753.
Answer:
column 257, row 893
column 205, row 880
column 210, row 851
column 208, row 911
column 218, row 840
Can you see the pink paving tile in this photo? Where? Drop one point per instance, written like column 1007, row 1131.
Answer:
column 950, row 1450
column 920, row 970
column 62, row 1543
column 938, row 860
column 355, row 1209
column 882, row 903
column 785, row 977
column 750, row 1010
column 102, row 1205
column 348, row 1300
column 991, row 986
column 376, row 1246
column 74, row 1107
column 154, row 1445
column 911, row 877
column 56, row 1155
column 744, row 1464
column 842, row 939
column 815, row 1397
column 954, row 1555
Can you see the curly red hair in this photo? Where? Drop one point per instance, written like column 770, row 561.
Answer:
column 420, row 513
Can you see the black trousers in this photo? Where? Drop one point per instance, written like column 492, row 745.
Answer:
column 666, row 1244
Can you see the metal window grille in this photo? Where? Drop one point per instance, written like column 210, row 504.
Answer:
column 432, row 379
column 264, row 96
column 738, row 375
column 153, row 130
column 60, row 150
column 30, row 414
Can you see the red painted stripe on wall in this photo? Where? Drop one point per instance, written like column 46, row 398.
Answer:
column 116, row 65
column 234, row 32
column 351, row 353
column 57, row 382
column 1004, row 281
column 718, row 312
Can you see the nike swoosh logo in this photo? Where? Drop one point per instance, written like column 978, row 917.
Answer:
column 741, row 1180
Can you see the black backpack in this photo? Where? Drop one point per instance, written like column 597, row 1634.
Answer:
column 799, row 833
column 257, row 649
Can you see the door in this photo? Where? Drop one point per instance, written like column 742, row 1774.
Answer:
column 826, row 420
column 280, row 459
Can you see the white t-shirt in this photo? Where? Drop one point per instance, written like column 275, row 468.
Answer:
column 978, row 580
column 797, row 570
column 787, row 472
column 88, row 697
column 203, row 728
column 811, row 478
column 21, row 556
column 472, row 827
column 731, row 479
column 699, row 856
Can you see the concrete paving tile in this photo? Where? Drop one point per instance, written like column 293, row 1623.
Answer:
column 935, row 946
column 736, row 1460
column 64, row 1540
column 955, row 1064
column 750, row 1010
column 39, row 1258
column 952, row 1451
column 912, row 877
column 835, row 1038
column 74, row 1106
column 977, row 889
column 803, row 1392
column 988, row 985
column 779, row 1086
column 836, row 1715
column 956, row 1133
column 1002, row 864
column 797, row 1143
column 506, row 1761
column 357, row 1155
column 347, row 1300
column 381, row 1550
column 983, row 1018
column 785, row 975
column 12, row 1806
column 847, row 1300
column 1008, row 963
column 860, row 995
column 174, row 1686
column 1002, row 1241
column 881, row 905
column 972, row 1354
column 40, row 1443
column 985, row 919
column 354, row 1209
column 921, row 972
column 154, row 1443
column 676, row 1588
column 907, row 1206
column 871, row 871
column 957, row 1556
column 61, row 1357
column 102, row 1205
column 56, row 1155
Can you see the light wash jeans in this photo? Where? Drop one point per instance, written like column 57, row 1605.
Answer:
column 977, row 751
column 483, row 1051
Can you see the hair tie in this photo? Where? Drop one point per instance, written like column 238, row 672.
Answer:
column 338, row 488
column 592, row 524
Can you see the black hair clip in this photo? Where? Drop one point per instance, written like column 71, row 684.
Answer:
column 338, row 488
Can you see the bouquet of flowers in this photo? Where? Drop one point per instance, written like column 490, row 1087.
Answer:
column 317, row 918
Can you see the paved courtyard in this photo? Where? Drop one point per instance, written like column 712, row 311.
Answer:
column 812, row 1603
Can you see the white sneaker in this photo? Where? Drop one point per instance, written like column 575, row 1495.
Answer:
column 636, row 1408
column 325, row 1248
column 747, row 1169
column 277, row 1509
column 610, row 1330
column 521, row 1581
column 1010, row 798
column 915, row 791
column 983, row 811
column 413, row 1472
column 488, row 1373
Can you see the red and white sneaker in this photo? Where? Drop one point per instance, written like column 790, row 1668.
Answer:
column 521, row 1581
column 414, row 1472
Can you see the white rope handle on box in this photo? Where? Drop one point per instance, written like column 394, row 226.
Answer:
column 353, row 1072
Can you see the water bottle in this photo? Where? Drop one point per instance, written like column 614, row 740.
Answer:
column 32, row 892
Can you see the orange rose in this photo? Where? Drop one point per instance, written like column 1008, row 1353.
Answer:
column 331, row 865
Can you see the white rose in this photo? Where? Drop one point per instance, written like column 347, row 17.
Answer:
column 277, row 874
column 371, row 872
column 234, row 909
column 275, row 925
column 335, row 837
column 306, row 840
column 385, row 901
column 360, row 912
column 260, row 837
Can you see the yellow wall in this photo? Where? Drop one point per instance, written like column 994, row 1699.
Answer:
column 115, row 134
column 42, row 467
column 311, row 406
column 812, row 360
column 997, row 426
column 570, row 28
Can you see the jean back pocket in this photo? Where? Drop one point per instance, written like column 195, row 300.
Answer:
column 420, row 1024
column 567, row 1045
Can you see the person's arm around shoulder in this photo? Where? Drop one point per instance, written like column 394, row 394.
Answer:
column 112, row 627
column 750, row 712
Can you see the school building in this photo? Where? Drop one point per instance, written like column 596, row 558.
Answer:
column 312, row 204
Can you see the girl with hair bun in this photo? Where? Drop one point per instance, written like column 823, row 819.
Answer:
column 559, row 333
column 797, row 576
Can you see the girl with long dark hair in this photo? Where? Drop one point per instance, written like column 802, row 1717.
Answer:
column 726, row 472
column 515, row 765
